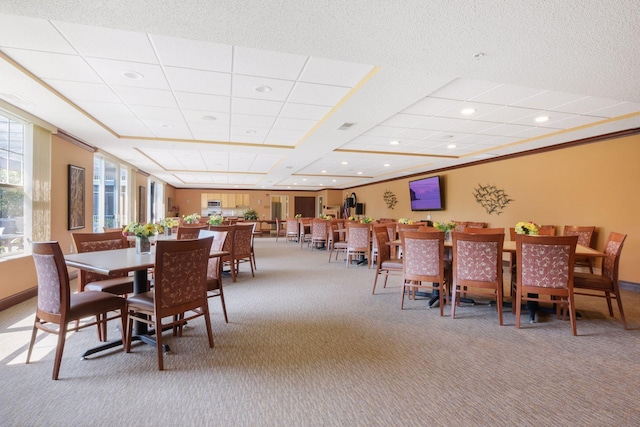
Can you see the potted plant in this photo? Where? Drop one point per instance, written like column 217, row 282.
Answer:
column 250, row 214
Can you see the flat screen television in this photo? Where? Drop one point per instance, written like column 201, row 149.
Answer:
column 426, row 194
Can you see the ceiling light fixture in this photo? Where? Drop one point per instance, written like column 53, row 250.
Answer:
column 262, row 89
column 394, row 142
column 541, row 119
column 209, row 118
column 478, row 55
column 468, row 111
column 324, row 171
column 345, row 163
column 386, row 165
column 359, row 173
column 133, row 75
column 451, row 146
column 251, row 132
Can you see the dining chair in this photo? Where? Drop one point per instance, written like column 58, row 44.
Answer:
column 391, row 232
column 423, row 264
column 190, row 232
column 478, row 230
column 358, row 241
column 214, row 267
column 181, row 287
column 604, row 285
column 118, row 284
column 229, row 246
column 545, row 268
column 547, row 230
column 585, row 238
column 242, row 252
column 319, row 233
column 292, row 229
column 477, row 264
column 337, row 241
column 280, row 231
column 305, row 231
column 58, row 306
column 385, row 263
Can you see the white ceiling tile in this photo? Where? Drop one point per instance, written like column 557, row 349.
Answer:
column 193, row 53
column 279, row 140
column 133, row 127
column 477, row 139
column 104, row 111
column 145, row 112
column 574, row 121
column 240, row 135
column 403, row 120
column 80, row 91
column 180, row 131
column 209, row 133
column 244, row 87
column 431, row 106
column 473, row 126
column 54, row 65
column 294, row 124
column 414, row 134
column 145, row 96
column 438, row 123
column 548, row 99
column 383, row 131
column 506, row 114
column 100, row 42
column 464, row 89
column 252, row 121
column 30, row 33
column 506, row 94
column 263, row 63
column 204, row 118
column 617, row 110
column 112, row 72
column 202, row 102
column 198, row 81
column 286, row 134
column 586, row 105
column 314, row 94
column 504, row 129
column 479, row 107
column 257, row 107
column 531, row 132
column 302, row 111
column 335, row 73
column 554, row 117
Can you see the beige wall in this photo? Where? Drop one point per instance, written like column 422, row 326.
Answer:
column 591, row 184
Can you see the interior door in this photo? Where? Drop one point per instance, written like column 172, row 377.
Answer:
column 305, row 206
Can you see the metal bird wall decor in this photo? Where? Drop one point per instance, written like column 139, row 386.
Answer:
column 491, row 198
column 390, row 199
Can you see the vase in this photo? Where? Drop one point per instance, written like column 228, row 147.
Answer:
column 167, row 231
column 447, row 235
column 143, row 245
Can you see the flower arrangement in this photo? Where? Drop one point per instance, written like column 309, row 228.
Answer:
column 194, row 218
column 215, row 219
column 353, row 218
column 327, row 217
column 297, row 216
column 405, row 221
column 445, row 226
column 167, row 223
column 527, row 228
column 141, row 230
column 366, row 220
column 250, row 214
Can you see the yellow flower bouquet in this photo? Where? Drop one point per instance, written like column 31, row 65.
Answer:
column 445, row 226
column 527, row 228
column 194, row 218
column 405, row 221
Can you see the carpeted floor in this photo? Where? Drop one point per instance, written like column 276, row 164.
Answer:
column 308, row 345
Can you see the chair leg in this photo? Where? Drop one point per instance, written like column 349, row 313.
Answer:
column 159, row 343
column 518, row 303
column 33, row 339
column 62, row 335
column 455, row 300
column 127, row 347
column 207, row 319
column 572, row 314
column 608, row 295
column 224, row 307
column 619, row 301
column 123, row 326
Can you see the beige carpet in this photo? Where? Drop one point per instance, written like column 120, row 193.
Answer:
column 308, row 345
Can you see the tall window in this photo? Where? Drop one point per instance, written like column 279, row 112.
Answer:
column 12, row 197
column 110, row 194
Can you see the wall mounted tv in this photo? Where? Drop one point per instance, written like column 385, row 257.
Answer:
column 426, row 194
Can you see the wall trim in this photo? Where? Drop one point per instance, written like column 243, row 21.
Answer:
column 76, row 141
column 18, row 298
column 629, row 286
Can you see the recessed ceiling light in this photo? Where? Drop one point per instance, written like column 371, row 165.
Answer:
column 133, row 75
column 324, row 171
column 394, row 142
column 304, row 179
column 451, row 146
column 345, row 163
column 288, row 186
column 359, row 173
column 251, row 132
column 262, row 89
column 467, row 111
column 386, row 165
column 333, row 180
column 209, row 118
column 447, row 136
column 542, row 119
column 166, row 125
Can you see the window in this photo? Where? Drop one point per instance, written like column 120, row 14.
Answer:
column 12, row 196
column 110, row 194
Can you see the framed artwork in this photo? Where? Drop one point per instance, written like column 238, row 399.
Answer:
column 142, row 204
column 76, row 197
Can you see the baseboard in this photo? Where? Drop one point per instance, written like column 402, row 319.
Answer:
column 18, row 298
column 629, row 286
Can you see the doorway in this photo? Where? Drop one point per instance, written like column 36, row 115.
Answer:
column 306, row 206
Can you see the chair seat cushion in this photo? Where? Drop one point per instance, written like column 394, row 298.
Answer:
column 340, row 245
column 116, row 285
column 144, row 300
column 592, row 281
column 88, row 303
column 393, row 263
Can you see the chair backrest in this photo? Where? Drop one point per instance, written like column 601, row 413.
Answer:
column 556, row 253
column 381, row 237
column 53, row 280
column 190, row 232
column 612, row 250
column 476, row 230
column 547, row 230
column 477, row 257
column 242, row 240
column 213, row 266
column 407, row 227
column 584, row 233
column 107, row 229
column 319, row 228
column 181, row 274
column 292, row 226
column 423, row 256
column 358, row 236
column 229, row 243
column 92, row 242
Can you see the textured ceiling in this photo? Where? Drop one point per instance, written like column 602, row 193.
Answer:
column 233, row 94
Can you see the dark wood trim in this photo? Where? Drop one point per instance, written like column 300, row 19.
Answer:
column 570, row 144
column 18, row 298
column 629, row 286
column 76, row 141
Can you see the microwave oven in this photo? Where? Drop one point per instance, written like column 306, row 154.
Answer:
column 214, row 204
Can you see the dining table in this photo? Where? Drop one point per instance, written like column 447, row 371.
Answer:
column 123, row 261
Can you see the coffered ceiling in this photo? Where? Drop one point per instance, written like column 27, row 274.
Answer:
column 310, row 95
